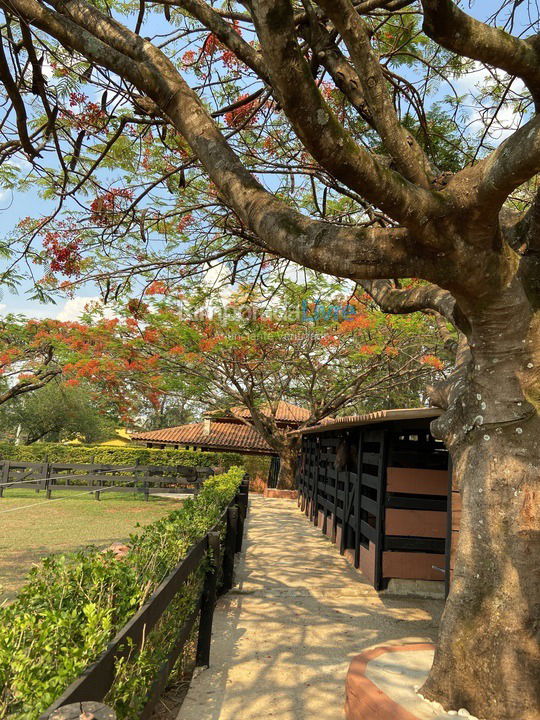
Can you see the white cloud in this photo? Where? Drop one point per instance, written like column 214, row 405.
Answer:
column 74, row 308
column 472, row 85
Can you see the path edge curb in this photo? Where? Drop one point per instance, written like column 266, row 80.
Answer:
column 363, row 699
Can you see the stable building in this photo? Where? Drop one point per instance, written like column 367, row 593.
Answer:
column 379, row 485
column 230, row 431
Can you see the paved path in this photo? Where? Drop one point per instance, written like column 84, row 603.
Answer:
column 284, row 637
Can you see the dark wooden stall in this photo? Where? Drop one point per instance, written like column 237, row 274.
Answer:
column 379, row 486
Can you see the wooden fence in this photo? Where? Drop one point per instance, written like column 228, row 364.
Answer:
column 99, row 478
column 93, row 685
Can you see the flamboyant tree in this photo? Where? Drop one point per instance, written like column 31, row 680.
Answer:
column 30, row 355
column 306, row 344
column 326, row 133
column 37, row 352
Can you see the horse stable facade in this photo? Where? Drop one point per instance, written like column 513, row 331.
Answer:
column 379, row 486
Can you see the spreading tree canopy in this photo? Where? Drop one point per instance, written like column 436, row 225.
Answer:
column 250, row 349
column 327, row 133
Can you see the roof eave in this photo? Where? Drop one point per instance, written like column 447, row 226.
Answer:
column 379, row 416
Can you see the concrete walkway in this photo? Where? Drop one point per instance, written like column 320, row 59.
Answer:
column 284, row 637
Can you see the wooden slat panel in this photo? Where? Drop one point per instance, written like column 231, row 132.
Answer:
column 368, row 531
column 330, row 441
column 417, row 481
column 406, row 543
column 416, row 523
column 413, row 566
column 367, row 562
column 370, row 480
column 370, row 458
column 369, row 505
column 416, row 502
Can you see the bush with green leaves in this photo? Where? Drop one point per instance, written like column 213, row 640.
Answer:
column 101, row 454
column 72, row 605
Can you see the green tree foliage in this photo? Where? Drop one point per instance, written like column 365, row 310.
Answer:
column 58, row 412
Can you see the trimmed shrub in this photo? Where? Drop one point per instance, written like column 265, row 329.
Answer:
column 72, row 605
column 57, row 452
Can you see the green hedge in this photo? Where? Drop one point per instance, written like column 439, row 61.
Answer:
column 73, row 604
column 57, row 452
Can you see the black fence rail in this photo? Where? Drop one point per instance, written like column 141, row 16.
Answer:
column 96, row 478
column 90, row 689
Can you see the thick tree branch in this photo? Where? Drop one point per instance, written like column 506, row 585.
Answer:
column 514, row 162
column 340, row 70
column 337, row 249
column 318, row 128
column 401, row 145
column 388, row 5
column 452, row 28
column 18, row 104
column 400, row 301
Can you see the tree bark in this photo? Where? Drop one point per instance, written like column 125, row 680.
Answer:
column 488, row 654
column 288, row 457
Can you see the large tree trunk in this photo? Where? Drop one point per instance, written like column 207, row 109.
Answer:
column 488, row 653
column 288, row 458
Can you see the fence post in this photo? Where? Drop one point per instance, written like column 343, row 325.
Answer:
column 208, row 602
column 5, row 476
column 83, row 711
column 242, row 512
column 230, row 549
column 47, row 479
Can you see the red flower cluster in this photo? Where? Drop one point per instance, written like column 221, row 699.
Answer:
column 157, row 288
column 184, row 222
column 77, row 98
column 65, row 256
column 433, row 361
column 243, row 115
column 105, row 206
column 90, row 116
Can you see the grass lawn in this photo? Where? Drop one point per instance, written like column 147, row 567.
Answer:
column 73, row 522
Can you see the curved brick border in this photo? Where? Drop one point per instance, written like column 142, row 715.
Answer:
column 283, row 494
column 363, row 699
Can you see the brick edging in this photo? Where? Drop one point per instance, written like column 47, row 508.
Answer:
column 283, row 494
column 363, row 699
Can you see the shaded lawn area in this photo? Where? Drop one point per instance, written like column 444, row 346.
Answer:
column 70, row 524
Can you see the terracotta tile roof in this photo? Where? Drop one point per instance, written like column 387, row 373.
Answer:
column 285, row 412
column 222, row 436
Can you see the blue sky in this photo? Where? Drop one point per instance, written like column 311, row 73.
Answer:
column 14, row 206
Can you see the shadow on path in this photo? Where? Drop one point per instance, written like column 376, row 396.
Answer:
column 284, row 636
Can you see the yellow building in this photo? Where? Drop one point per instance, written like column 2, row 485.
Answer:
column 122, row 439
